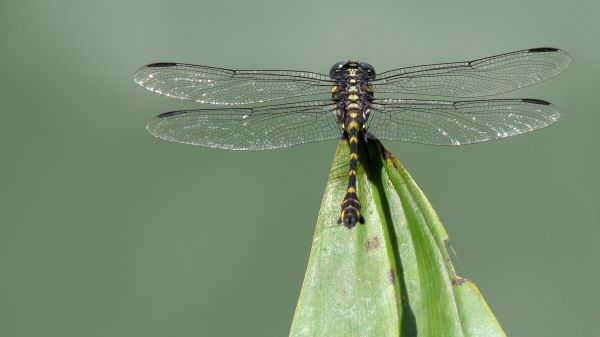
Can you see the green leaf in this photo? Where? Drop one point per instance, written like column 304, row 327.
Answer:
column 391, row 276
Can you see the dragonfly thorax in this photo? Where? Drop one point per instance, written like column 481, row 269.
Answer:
column 352, row 93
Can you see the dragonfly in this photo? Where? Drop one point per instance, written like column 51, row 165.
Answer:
column 355, row 103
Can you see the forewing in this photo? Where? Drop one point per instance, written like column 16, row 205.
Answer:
column 223, row 86
column 483, row 77
column 258, row 128
column 456, row 123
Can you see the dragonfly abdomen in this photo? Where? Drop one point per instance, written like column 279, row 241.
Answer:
column 350, row 209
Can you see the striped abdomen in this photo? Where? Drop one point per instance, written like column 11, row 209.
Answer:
column 350, row 212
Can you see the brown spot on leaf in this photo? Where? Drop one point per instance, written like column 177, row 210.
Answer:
column 373, row 243
column 390, row 157
column 458, row 281
column 387, row 154
column 390, row 276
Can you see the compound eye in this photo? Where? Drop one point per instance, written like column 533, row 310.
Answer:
column 336, row 68
column 368, row 69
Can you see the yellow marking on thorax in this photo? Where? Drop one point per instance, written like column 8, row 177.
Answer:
column 353, row 106
column 353, row 156
column 351, row 190
column 352, row 173
column 353, row 114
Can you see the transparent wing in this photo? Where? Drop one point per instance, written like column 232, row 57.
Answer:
column 456, row 123
column 223, row 86
column 487, row 76
column 258, row 128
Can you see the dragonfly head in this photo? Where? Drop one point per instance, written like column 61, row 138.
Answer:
column 342, row 68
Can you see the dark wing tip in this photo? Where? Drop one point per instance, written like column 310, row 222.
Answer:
column 171, row 114
column 535, row 101
column 543, row 50
column 161, row 64
column 141, row 75
column 562, row 58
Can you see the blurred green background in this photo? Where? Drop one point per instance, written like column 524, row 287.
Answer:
column 107, row 231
